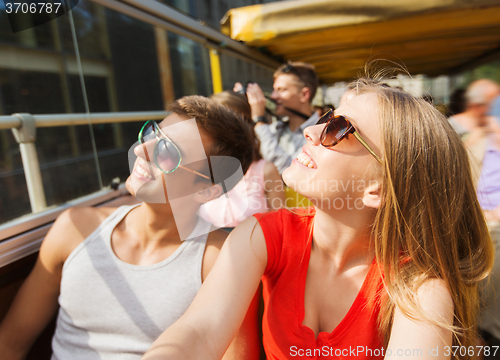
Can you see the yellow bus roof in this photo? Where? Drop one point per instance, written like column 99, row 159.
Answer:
column 430, row 37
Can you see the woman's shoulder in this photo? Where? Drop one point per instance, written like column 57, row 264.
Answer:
column 435, row 295
column 286, row 227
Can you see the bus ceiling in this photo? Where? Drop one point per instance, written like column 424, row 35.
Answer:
column 433, row 37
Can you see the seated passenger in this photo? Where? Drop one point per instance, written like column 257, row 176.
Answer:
column 295, row 85
column 260, row 190
column 122, row 276
column 386, row 264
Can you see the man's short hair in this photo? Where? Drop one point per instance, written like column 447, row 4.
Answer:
column 231, row 135
column 305, row 72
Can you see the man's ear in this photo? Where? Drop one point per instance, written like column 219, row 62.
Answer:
column 208, row 194
column 305, row 95
column 372, row 195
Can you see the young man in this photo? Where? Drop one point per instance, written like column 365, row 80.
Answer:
column 294, row 86
column 122, row 276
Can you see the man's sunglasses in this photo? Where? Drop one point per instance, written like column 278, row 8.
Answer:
column 166, row 155
column 337, row 128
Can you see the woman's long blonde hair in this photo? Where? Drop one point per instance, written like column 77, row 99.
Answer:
column 429, row 224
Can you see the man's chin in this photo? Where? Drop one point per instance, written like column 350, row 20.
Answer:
column 129, row 187
column 280, row 111
column 150, row 197
column 149, row 192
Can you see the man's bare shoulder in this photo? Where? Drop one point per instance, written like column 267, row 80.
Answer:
column 82, row 221
column 72, row 227
column 216, row 238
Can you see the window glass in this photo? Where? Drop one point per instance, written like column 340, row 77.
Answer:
column 132, row 84
column 14, row 199
column 120, row 71
column 135, row 79
column 90, row 30
column 120, row 62
column 190, row 67
column 43, row 36
column 209, row 11
column 236, row 70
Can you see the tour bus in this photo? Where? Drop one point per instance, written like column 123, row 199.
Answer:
column 77, row 84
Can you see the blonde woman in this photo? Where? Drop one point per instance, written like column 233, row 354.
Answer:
column 385, row 265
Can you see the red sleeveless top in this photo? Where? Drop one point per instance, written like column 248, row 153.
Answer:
column 288, row 238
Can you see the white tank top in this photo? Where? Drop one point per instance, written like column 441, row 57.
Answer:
column 110, row 309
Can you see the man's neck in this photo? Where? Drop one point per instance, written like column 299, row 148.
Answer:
column 149, row 235
column 295, row 121
column 159, row 223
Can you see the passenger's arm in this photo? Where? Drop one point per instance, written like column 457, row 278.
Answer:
column 36, row 301
column 414, row 339
column 256, row 100
column 211, row 322
column 273, row 186
column 269, row 145
column 247, row 343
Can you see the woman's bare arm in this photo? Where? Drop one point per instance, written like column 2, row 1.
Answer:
column 414, row 339
column 247, row 343
column 211, row 322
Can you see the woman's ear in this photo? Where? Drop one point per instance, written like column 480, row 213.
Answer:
column 372, row 195
column 208, row 194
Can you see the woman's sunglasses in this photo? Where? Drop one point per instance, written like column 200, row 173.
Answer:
column 337, row 128
column 166, row 155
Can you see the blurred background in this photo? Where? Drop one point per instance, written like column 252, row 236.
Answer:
column 132, row 58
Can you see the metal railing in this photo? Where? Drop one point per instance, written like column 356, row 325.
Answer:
column 27, row 229
column 16, row 120
column 24, row 127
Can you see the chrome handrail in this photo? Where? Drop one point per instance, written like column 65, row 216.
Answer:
column 22, row 236
column 51, row 120
column 24, row 127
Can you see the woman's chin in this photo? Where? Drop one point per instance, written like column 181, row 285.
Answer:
column 294, row 176
column 285, row 175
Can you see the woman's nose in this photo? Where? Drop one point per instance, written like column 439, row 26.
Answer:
column 313, row 134
column 145, row 149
